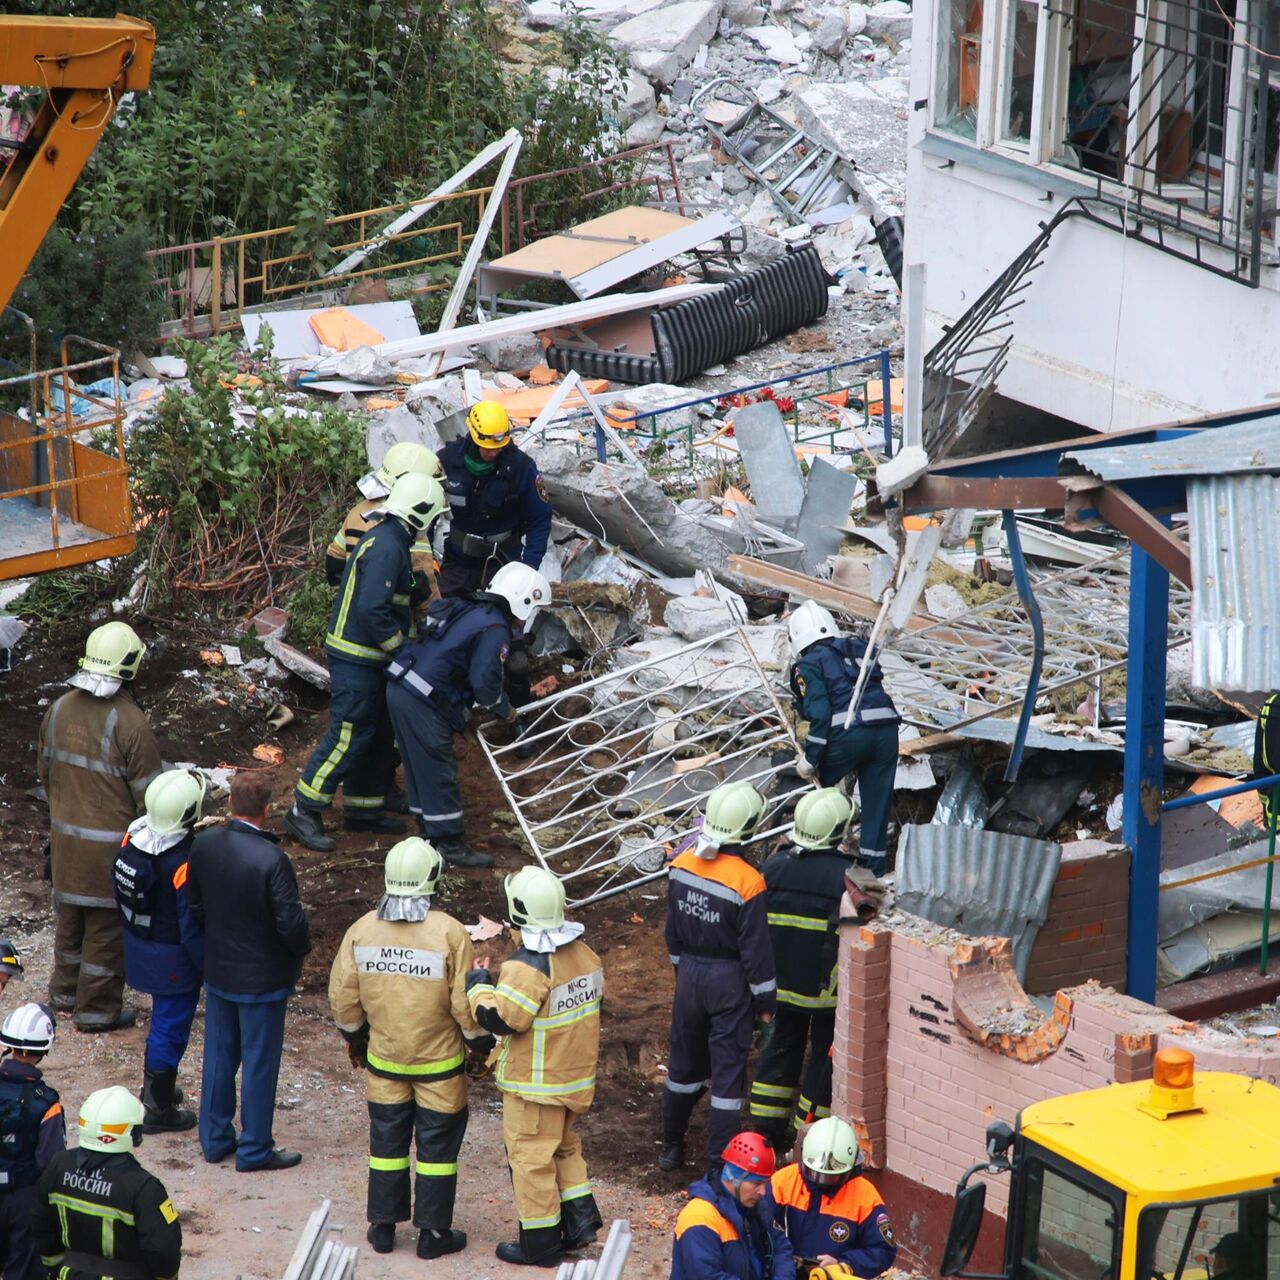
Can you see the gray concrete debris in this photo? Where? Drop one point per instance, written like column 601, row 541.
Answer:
column 903, row 469
column 636, row 100
column 646, row 130
column 599, row 13
column 828, row 500
column 769, row 454
column 296, row 661
column 394, row 426
column 435, row 398
column 890, row 18
column 832, row 33
column 657, row 65
column 364, row 364
column 698, row 617
column 678, row 29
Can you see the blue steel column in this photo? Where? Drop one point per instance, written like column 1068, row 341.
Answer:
column 1144, row 762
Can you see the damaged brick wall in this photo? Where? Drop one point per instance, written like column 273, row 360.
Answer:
column 1085, row 931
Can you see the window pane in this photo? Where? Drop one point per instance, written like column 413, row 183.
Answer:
column 1226, row 1239
column 959, row 59
column 1019, row 53
column 1068, row 1231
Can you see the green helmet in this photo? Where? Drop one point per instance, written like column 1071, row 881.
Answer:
column 407, row 456
column 173, row 801
column 821, row 818
column 113, row 649
column 108, row 1121
column 535, row 898
column 732, row 814
column 412, row 869
column 830, row 1155
column 416, row 499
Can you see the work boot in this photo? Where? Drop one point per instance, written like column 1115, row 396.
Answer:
column 63, row 1004
column 434, row 1243
column 395, row 801
column 382, row 1235
column 672, row 1157
column 457, row 853
column 579, row 1223
column 306, row 826
column 123, row 1020
column 161, row 1115
column 376, row 821
column 538, row 1247
column 524, row 750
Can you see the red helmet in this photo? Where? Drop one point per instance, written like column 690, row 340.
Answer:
column 751, row 1152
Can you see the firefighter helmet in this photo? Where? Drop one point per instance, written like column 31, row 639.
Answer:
column 113, row 649
column 750, row 1153
column 407, row 457
column 830, row 1155
column 173, row 801
column 412, row 869
column 524, row 589
column 731, row 816
column 821, row 818
column 416, row 499
column 809, row 624
column 111, row 1121
column 535, row 898
column 10, row 961
column 29, row 1029
column 488, row 425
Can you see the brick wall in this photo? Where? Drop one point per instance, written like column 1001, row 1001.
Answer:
column 1085, row 930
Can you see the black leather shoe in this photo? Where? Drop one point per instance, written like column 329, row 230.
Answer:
column 376, row 821
column 435, row 1244
column 306, row 826
column 382, row 1235
column 672, row 1157
column 278, row 1159
column 218, row 1159
column 457, row 853
column 510, row 1251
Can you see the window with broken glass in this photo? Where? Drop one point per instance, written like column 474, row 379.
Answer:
column 1169, row 108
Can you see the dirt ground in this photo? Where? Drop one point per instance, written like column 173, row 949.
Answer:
column 246, row 1225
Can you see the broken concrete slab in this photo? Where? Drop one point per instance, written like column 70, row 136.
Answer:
column 296, row 661
column 364, row 364
column 890, row 18
column 627, row 409
column 647, row 130
column 832, row 33
column 903, row 469
column 778, row 43
column 395, row 426
column 777, row 485
column 601, row 14
column 698, row 617
column 636, row 99
column 662, row 68
column 679, row 29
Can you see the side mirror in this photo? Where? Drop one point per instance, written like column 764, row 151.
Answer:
column 966, row 1222
column 999, row 1140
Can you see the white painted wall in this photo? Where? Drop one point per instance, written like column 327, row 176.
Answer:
column 1112, row 333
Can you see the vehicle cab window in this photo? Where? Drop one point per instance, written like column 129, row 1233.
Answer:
column 1233, row 1238
column 1069, row 1230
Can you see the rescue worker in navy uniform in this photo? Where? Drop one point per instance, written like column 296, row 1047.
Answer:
column 824, row 672
column 718, row 939
column 372, row 617
column 806, row 883
column 726, row 1230
column 459, row 660
column 832, row 1215
column 98, row 1212
column 96, row 755
column 498, row 514
column 163, row 944
column 32, row 1132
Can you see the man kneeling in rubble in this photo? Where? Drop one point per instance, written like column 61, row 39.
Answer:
column 824, row 673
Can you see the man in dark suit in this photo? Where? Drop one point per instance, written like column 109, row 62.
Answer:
column 241, row 885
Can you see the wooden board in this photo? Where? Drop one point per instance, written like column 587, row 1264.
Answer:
column 569, row 255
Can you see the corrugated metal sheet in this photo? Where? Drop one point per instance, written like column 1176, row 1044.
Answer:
column 983, row 883
column 1235, row 586
column 1250, row 447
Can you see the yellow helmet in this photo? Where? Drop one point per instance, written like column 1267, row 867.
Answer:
column 489, row 425
column 113, row 649
column 405, row 456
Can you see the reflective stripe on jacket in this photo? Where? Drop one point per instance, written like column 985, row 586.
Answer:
column 371, row 615
column 96, row 756
column 717, row 1239
column 852, row 1225
column 550, row 1005
column 805, row 888
column 822, row 682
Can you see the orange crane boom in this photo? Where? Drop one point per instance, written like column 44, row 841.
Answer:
column 85, row 66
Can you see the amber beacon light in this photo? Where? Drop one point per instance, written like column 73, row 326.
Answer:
column 1173, row 1086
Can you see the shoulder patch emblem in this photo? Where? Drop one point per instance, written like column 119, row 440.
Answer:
column 800, row 684
column 503, row 652
column 168, row 1212
column 541, row 488
column 839, row 1232
column 887, row 1232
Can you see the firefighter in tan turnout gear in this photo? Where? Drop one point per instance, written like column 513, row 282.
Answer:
column 96, row 754
column 546, row 1002
column 397, row 990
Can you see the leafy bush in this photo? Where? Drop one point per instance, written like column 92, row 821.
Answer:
column 237, row 508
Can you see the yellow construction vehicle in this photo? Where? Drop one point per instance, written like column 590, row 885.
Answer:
column 62, row 502
column 1177, row 1178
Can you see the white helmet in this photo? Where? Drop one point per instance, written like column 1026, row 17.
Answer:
column 535, row 898
column 524, row 589
column 407, row 456
column 110, row 1120
column 416, row 499
column 173, row 801
column 29, row 1029
column 809, row 624
column 830, row 1155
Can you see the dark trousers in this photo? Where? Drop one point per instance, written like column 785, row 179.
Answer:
column 88, row 963
column 786, row 1091
column 438, row 1136
column 18, row 1258
column 870, row 752
column 355, row 752
column 711, row 1026
column 247, row 1038
column 460, row 576
column 430, row 767
column 170, row 1031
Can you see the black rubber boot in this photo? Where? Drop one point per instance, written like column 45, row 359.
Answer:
column 580, row 1223
column 524, row 750
column 395, row 801
column 457, row 853
column 538, row 1247
column 382, row 1235
column 160, row 1113
column 306, row 826
column 377, row 821
column 436, row 1243
column 672, row 1157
